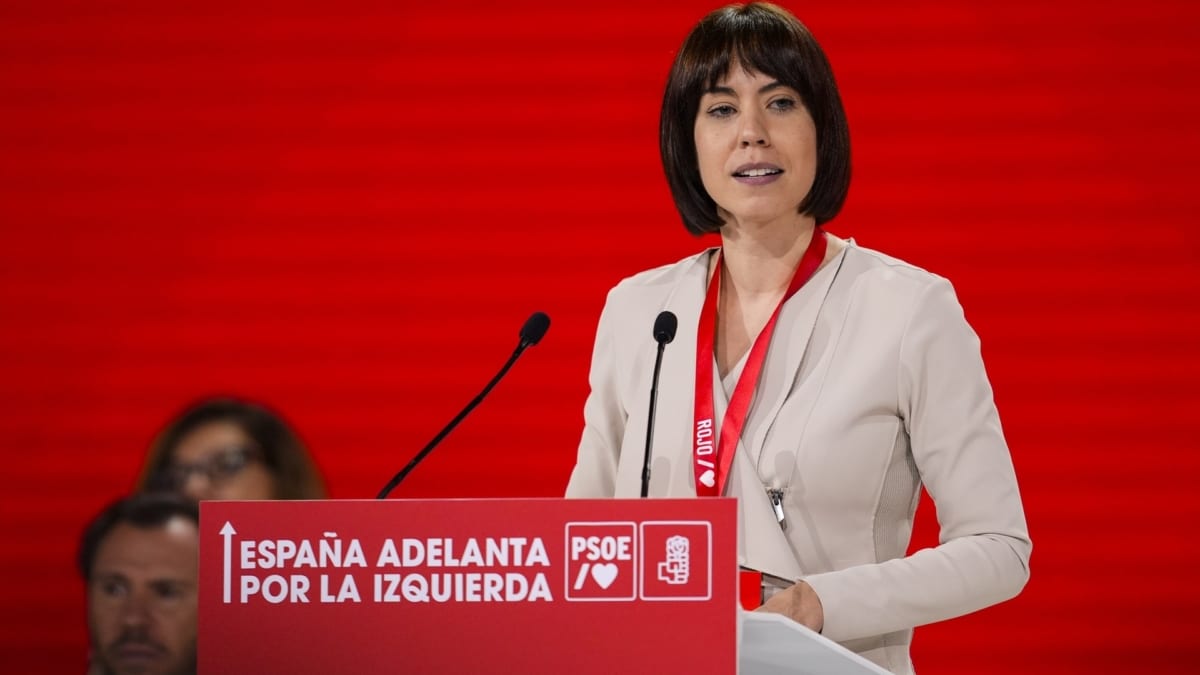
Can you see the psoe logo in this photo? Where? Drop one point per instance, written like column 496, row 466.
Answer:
column 601, row 561
column 675, row 570
column 677, row 559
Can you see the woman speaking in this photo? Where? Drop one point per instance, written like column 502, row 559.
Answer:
column 819, row 382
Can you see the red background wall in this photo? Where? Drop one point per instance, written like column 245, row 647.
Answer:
column 348, row 209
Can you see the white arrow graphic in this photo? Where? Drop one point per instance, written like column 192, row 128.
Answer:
column 228, row 533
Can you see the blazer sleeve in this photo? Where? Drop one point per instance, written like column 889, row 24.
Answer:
column 959, row 449
column 604, row 416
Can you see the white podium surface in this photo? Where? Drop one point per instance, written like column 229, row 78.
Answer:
column 771, row 644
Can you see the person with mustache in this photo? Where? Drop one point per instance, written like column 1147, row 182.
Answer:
column 139, row 558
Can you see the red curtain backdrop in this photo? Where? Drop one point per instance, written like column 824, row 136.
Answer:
column 347, row 210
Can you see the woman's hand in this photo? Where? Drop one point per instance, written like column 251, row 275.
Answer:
column 798, row 603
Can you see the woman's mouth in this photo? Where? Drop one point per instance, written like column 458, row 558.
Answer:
column 757, row 174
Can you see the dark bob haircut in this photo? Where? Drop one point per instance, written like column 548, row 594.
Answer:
column 295, row 473
column 146, row 511
column 765, row 39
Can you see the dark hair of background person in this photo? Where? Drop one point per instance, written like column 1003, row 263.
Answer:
column 296, row 476
column 142, row 510
column 763, row 38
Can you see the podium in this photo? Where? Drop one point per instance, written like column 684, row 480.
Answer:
column 487, row 586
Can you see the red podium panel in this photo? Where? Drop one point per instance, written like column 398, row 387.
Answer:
column 468, row 586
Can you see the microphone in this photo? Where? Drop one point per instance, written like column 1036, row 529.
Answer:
column 664, row 331
column 531, row 333
column 535, row 327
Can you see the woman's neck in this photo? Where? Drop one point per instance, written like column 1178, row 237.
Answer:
column 760, row 261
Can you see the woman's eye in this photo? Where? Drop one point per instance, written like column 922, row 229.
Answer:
column 722, row 110
column 230, row 464
column 782, row 104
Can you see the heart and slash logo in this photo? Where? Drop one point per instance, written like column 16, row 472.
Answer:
column 601, row 561
column 652, row 560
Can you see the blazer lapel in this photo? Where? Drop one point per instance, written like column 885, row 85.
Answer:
column 785, row 354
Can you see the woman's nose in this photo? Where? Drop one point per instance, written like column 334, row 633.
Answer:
column 753, row 131
column 196, row 486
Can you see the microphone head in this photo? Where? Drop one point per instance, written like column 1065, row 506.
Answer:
column 535, row 327
column 664, row 327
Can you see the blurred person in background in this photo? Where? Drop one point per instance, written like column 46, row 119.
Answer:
column 226, row 448
column 139, row 559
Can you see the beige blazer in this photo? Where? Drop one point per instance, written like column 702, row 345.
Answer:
column 873, row 385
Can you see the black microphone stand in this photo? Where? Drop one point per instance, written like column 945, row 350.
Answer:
column 664, row 332
column 533, row 330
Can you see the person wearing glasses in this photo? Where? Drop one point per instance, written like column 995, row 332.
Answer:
column 225, row 448
column 820, row 383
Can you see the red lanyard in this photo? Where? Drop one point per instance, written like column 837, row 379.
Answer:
column 712, row 457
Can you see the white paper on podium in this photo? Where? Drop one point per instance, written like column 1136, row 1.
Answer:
column 772, row 643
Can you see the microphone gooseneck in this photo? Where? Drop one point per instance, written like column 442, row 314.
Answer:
column 665, row 325
column 531, row 333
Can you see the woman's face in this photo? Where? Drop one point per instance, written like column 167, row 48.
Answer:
column 756, row 146
column 219, row 461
